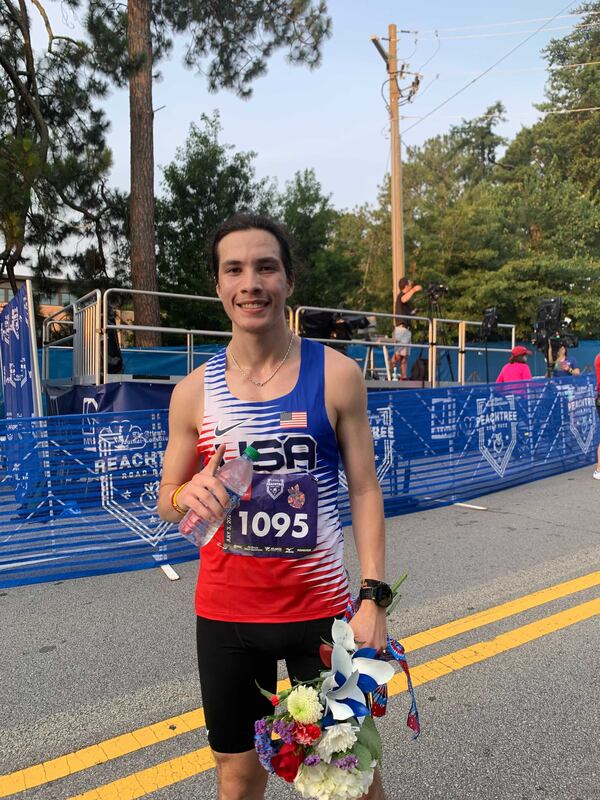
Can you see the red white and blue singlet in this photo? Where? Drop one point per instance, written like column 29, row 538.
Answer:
column 279, row 556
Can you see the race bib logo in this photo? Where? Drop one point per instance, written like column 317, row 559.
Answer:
column 443, row 418
column 582, row 415
column 496, row 423
column 296, row 497
column 274, row 487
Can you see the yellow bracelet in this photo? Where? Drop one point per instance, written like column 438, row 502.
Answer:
column 174, row 497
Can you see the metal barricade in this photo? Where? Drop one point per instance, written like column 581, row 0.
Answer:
column 84, row 337
column 187, row 332
column 88, row 327
column 464, row 348
column 385, row 343
column 439, row 333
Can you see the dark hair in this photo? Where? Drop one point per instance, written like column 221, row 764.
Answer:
column 403, row 282
column 244, row 221
column 518, row 359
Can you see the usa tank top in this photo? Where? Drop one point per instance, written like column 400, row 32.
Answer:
column 279, row 556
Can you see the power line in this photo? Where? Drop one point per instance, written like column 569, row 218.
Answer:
column 583, row 26
column 489, row 69
column 510, row 22
column 510, row 116
column 572, row 110
column 555, row 68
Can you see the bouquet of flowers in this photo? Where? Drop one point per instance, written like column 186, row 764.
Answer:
column 328, row 745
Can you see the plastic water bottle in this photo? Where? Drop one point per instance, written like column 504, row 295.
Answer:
column 236, row 477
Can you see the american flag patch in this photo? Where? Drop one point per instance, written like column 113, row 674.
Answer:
column 293, row 419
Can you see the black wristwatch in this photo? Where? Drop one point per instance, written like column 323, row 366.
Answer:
column 378, row 591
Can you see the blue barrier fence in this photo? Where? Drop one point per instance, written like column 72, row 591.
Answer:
column 78, row 492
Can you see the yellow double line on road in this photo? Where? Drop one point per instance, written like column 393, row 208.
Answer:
column 174, row 770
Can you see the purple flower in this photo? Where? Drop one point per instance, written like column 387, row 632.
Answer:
column 312, row 761
column 264, row 749
column 284, row 730
column 260, row 727
column 347, row 762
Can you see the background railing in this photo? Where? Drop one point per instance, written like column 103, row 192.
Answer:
column 87, row 328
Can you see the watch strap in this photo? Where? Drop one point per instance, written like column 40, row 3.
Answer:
column 367, row 593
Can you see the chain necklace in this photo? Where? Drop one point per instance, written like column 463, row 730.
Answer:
column 272, row 375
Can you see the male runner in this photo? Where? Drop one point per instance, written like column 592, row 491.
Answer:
column 272, row 581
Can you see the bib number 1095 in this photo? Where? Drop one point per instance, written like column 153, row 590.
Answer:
column 262, row 524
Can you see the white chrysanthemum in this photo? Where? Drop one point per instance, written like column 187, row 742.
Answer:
column 336, row 739
column 351, row 784
column 314, row 782
column 325, row 782
column 304, row 706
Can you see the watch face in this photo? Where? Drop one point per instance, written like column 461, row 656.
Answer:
column 383, row 596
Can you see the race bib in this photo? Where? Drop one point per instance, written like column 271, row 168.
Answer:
column 278, row 519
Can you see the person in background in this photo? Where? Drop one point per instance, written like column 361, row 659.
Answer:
column 564, row 364
column 402, row 334
column 597, row 368
column 517, row 368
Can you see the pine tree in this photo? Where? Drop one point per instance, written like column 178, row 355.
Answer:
column 53, row 157
column 228, row 42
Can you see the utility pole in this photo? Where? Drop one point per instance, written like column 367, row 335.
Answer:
column 391, row 62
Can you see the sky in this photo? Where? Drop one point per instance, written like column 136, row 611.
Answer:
column 333, row 119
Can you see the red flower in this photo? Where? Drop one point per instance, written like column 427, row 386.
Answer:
column 305, row 734
column 325, row 651
column 287, row 761
column 274, row 700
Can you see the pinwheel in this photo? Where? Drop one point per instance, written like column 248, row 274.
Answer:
column 353, row 676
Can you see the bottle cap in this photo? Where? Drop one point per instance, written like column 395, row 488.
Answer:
column 252, row 453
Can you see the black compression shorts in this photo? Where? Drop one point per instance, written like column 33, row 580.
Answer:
column 233, row 655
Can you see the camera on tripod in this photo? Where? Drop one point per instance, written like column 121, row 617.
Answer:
column 435, row 290
column 318, row 324
column 553, row 329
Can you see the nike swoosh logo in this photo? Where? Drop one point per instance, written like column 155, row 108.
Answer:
column 222, row 431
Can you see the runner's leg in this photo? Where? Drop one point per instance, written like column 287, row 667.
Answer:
column 232, row 703
column 240, row 776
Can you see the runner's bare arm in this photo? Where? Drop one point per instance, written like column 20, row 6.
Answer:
column 355, row 441
column 204, row 493
column 181, row 460
column 346, row 397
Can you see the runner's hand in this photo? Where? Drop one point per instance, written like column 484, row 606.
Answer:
column 369, row 626
column 205, row 494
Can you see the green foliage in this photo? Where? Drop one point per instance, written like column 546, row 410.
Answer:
column 54, row 161
column 500, row 228
column 370, row 738
column 363, row 755
column 229, row 43
column 518, row 285
column 568, row 141
column 325, row 264
column 206, row 183
column 511, row 231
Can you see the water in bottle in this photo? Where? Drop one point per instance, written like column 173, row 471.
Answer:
column 236, row 477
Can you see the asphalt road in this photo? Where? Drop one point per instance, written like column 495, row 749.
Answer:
column 516, row 715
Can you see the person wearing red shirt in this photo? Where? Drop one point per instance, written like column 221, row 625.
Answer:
column 517, row 368
column 597, row 368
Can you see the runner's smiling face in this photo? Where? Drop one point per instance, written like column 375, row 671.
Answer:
column 252, row 282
